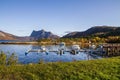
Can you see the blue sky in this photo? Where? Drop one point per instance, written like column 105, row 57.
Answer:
column 21, row 17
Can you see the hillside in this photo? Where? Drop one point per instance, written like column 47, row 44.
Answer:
column 41, row 34
column 100, row 31
column 6, row 36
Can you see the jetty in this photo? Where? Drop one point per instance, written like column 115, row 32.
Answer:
column 112, row 49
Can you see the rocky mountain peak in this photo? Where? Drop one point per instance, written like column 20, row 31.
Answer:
column 42, row 34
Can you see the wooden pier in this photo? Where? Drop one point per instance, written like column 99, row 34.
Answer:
column 112, row 49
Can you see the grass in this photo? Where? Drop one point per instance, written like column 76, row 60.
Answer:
column 102, row 69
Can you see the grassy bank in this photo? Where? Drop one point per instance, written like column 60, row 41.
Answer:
column 103, row 69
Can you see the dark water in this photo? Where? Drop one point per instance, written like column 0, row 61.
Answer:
column 34, row 57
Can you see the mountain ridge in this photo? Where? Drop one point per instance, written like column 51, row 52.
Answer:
column 100, row 31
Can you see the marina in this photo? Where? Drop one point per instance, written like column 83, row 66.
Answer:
column 74, row 49
column 35, row 56
column 105, row 50
column 52, row 53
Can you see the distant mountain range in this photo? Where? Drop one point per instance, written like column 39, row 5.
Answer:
column 35, row 35
column 100, row 31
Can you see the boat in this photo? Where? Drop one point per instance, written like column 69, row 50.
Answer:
column 37, row 49
column 75, row 49
column 61, row 48
column 43, row 48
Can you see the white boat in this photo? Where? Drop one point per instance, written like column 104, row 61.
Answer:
column 37, row 49
column 61, row 48
column 75, row 47
column 43, row 48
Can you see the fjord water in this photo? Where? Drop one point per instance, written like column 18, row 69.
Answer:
column 35, row 57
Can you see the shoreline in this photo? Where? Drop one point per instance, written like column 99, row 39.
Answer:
column 51, row 43
column 41, row 43
column 27, row 43
column 45, row 43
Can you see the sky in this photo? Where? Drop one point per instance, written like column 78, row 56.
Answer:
column 21, row 17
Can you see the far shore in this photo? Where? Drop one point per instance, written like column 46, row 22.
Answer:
column 38, row 43
column 33, row 42
column 44, row 43
column 53, row 43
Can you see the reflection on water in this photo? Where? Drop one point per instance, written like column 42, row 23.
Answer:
column 34, row 57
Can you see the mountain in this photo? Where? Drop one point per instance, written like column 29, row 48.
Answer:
column 100, row 31
column 41, row 34
column 35, row 35
column 7, row 36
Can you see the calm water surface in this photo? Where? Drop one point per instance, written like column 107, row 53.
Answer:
column 34, row 57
